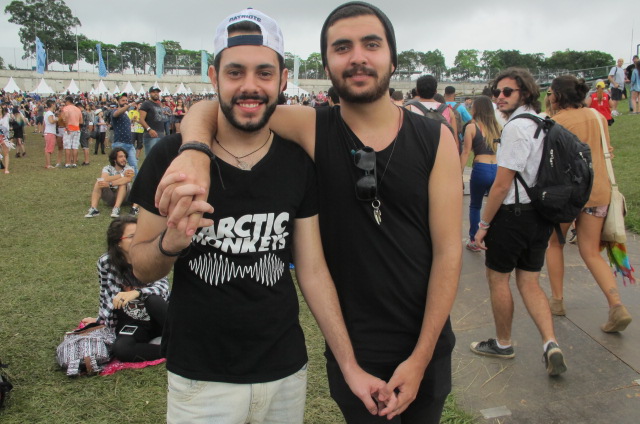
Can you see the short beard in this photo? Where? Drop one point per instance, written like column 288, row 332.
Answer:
column 379, row 90
column 227, row 110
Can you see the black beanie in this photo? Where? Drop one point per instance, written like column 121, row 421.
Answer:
column 391, row 36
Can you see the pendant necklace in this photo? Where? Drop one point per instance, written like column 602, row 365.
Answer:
column 244, row 165
column 376, row 203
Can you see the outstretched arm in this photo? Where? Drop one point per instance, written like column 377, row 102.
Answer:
column 445, row 226
column 320, row 294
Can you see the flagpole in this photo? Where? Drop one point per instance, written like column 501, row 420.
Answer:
column 77, row 52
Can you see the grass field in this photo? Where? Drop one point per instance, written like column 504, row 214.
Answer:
column 48, row 282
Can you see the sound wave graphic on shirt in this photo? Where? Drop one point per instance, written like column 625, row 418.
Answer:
column 216, row 269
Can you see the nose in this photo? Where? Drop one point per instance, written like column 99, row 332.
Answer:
column 357, row 55
column 250, row 83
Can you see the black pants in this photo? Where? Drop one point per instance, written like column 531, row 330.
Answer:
column 100, row 142
column 136, row 348
column 425, row 409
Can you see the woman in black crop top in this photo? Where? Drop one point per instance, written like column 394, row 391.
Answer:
column 480, row 135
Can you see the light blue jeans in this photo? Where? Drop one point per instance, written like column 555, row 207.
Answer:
column 209, row 402
column 149, row 143
column 130, row 148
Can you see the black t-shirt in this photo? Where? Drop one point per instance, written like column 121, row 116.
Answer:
column 629, row 71
column 382, row 271
column 233, row 310
column 154, row 117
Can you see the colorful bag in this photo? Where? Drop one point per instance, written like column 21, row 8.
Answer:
column 85, row 349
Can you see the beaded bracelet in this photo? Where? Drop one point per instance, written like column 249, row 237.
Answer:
column 483, row 225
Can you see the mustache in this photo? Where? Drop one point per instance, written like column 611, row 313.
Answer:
column 240, row 97
column 359, row 69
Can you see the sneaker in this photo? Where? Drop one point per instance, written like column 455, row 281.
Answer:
column 472, row 246
column 73, row 165
column 92, row 212
column 615, row 113
column 135, row 211
column 115, row 212
column 573, row 237
column 85, row 163
column 554, row 360
column 490, row 348
column 557, row 306
column 619, row 319
column 57, row 165
column 67, row 166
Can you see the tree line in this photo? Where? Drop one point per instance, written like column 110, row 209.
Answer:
column 54, row 23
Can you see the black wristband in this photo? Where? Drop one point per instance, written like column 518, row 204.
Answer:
column 201, row 147
column 164, row 252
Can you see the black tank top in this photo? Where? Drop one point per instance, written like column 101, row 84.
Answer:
column 381, row 272
column 479, row 145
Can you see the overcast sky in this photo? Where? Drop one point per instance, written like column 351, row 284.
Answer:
column 539, row 26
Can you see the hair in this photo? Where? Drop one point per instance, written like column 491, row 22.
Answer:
column 333, row 95
column 637, row 65
column 449, row 90
column 485, row 117
column 354, row 9
column 426, row 86
column 119, row 264
column 397, row 95
column 50, row 103
column 529, row 90
column 487, row 92
column 244, row 26
column 569, row 91
column 114, row 155
column 438, row 98
column 69, row 99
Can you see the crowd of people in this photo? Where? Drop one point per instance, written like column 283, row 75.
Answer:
column 351, row 190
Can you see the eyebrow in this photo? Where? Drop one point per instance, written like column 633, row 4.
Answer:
column 371, row 37
column 233, row 65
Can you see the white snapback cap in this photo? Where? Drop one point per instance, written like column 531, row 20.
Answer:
column 271, row 34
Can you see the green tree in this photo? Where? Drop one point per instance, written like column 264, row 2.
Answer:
column 408, row 63
column 1, row 63
column 314, row 66
column 432, row 62
column 466, row 64
column 572, row 60
column 136, row 56
column 50, row 20
column 289, row 61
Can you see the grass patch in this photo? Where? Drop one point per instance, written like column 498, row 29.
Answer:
column 48, row 282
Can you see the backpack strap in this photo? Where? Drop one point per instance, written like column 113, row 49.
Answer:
column 457, row 106
column 442, row 108
column 419, row 105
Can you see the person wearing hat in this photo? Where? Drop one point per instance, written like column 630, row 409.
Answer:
column 601, row 101
column 152, row 120
column 232, row 329
column 121, row 125
column 390, row 216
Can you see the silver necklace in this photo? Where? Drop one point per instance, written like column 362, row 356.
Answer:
column 244, row 165
column 376, row 203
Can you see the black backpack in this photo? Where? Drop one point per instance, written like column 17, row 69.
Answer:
column 435, row 114
column 5, row 385
column 565, row 175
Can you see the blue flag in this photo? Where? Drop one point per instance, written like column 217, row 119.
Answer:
column 41, row 56
column 102, row 69
column 204, row 66
column 160, row 53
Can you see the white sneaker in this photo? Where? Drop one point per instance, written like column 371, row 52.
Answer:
column 92, row 212
column 115, row 212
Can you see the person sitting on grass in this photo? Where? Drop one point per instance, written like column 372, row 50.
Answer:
column 113, row 185
column 125, row 301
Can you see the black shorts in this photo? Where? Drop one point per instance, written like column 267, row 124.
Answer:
column 616, row 93
column 39, row 119
column 137, row 139
column 517, row 241
column 425, row 409
column 84, row 139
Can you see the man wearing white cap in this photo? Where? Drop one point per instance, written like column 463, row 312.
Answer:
column 234, row 346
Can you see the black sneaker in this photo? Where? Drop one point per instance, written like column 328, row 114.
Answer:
column 490, row 348
column 573, row 237
column 554, row 360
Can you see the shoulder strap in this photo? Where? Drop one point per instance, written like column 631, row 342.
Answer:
column 419, row 105
column 442, row 108
column 605, row 148
column 457, row 106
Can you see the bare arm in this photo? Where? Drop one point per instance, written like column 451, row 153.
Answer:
column 149, row 264
column 445, row 226
column 320, row 294
column 120, row 110
column 469, row 133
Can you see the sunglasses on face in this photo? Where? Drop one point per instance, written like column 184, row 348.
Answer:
column 507, row 91
column 367, row 185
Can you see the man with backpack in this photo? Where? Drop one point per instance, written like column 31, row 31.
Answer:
column 425, row 104
column 516, row 234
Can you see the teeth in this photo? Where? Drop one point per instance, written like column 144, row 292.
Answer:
column 249, row 105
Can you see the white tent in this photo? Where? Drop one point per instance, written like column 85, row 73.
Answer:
column 12, row 87
column 102, row 89
column 166, row 91
column 116, row 90
column 128, row 88
column 212, row 91
column 204, row 92
column 294, row 90
column 189, row 90
column 72, row 88
column 92, row 92
column 43, row 88
column 142, row 90
column 181, row 89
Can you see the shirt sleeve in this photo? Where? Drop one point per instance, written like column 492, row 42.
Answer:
column 105, row 313
column 159, row 288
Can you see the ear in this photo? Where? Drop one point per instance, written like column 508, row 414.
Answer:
column 213, row 77
column 283, row 79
